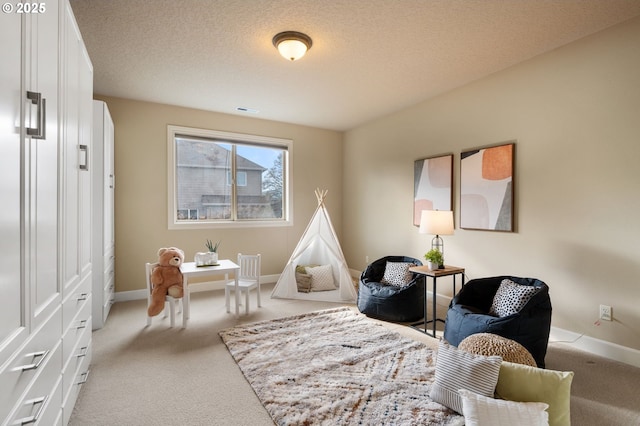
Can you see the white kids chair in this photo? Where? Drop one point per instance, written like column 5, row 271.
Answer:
column 248, row 279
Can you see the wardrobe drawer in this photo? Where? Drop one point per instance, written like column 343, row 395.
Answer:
column 74, row 378
column 41, row 410
column 51, row 413
column 29, row 362
column 79, row 327
column 79, row 352
column 42, row 401
column 75, row 301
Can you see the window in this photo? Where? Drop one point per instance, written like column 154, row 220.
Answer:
column 241, row 178
column 184, row 214
column 219, row 179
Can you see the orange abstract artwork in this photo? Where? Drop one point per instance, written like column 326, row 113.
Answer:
column 486, row 188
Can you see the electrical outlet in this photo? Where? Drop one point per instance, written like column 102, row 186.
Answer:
column 366, row 259
column 605, row 312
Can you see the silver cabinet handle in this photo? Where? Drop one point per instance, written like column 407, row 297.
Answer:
column 82, row 296
column 82, row 324
column 32, row 419
column 40, row 131
column 83, row 352
column 42, row 355
column 83, row 378
column 85, row 149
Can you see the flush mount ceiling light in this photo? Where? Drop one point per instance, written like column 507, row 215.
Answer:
column 292, row 45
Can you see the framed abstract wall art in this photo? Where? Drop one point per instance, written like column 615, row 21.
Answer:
column 432, row 185
column 486, row 188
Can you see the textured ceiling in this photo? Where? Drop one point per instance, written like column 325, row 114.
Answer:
column 369, row 57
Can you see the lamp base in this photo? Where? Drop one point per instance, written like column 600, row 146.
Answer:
column 438, row 244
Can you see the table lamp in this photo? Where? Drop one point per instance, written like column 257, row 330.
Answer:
column 436, row 222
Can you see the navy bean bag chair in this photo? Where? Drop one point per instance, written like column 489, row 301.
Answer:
column 397, row 301
column 520, row 311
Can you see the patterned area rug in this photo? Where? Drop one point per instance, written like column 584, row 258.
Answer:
column 336, row 367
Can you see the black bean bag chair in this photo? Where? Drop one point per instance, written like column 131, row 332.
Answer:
column 469, row 313
column 395, row 303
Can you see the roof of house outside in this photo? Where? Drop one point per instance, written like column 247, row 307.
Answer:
column 206, row 154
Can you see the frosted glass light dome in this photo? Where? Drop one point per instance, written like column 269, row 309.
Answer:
column 292, row 45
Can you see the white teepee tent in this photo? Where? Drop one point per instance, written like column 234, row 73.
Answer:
column 317, row 246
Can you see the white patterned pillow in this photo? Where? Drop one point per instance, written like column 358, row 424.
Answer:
column 397, row 273
column 480, row 410
column 510, row 298
column 457, row 369
column 321, row 278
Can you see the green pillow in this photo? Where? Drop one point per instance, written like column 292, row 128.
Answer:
column 523, row 383
column 302, row 269
column 304, row 282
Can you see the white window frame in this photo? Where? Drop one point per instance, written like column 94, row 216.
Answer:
column 172, row 211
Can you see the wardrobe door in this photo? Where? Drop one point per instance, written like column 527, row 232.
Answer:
column 103, row 258
column 12, row 282
column 30, row 314
column 42, row 162
column 75, row 148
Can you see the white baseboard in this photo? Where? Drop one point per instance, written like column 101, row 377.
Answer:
column 595, row 346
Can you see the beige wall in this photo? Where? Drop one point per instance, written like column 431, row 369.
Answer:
column 575, row 116
column 141, row 187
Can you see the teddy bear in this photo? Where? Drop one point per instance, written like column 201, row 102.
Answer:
column 166, row 278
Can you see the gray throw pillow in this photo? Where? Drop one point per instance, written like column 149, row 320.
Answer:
column 457, row 369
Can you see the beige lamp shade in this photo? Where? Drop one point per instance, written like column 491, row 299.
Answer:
column 436, row 222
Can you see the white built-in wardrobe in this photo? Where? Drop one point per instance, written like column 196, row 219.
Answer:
column 46, row 90
column 103, row 236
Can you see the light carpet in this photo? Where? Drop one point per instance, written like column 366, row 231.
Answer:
column 336, row 366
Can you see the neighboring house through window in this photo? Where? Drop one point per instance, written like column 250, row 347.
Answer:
column 219, row 179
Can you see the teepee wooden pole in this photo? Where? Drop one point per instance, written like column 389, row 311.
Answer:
column 320, row 195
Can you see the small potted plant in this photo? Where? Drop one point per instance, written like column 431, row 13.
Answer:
column 210, row 257
column 435, row 259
